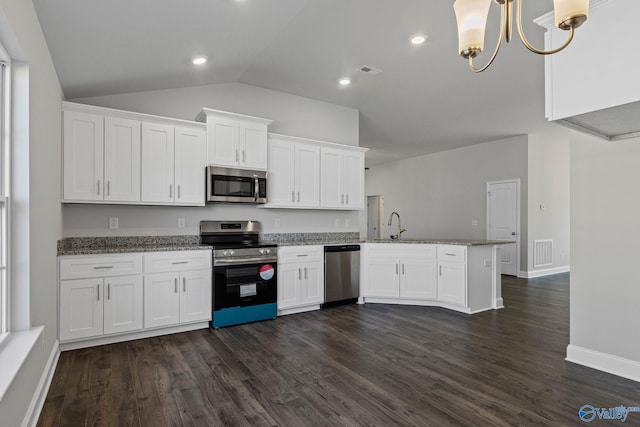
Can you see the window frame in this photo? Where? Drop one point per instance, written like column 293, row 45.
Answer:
column 5, row 156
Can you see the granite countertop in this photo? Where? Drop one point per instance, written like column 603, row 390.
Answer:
column 461, row 242
column 132, row 244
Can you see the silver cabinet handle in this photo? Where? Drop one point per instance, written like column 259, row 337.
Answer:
column 175, row 285
column 299, row 274
column 396, row 268
column 298, row 196
column 236, row 156
column 305, row 273
column 244, row 156
column 293, row 196
column 449, row 254
column 440, row 269
column 170, row 190
column 108, row 291
column 102, row 267
column 347, row 197
column 342, row 199
column 302, row 255
column 98, row 289
column 108, row 188
column 178, row 191
column 403, row 269
column 184, row 284
column 98, row 187
column 179, row 262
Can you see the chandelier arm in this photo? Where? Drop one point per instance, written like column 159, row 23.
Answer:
column 503, row 23
column 529, row 45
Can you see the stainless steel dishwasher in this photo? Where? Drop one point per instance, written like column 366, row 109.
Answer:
column 341, row 274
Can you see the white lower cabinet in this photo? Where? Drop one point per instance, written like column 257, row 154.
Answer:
column 113, row 295
column 458, row 277
column 400, row 271
column 300, row 278
column 172, row 298
column 107, row 304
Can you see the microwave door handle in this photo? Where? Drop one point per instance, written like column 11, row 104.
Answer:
column 256, row 188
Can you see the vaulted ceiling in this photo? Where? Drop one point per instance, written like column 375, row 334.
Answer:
column 425, row 100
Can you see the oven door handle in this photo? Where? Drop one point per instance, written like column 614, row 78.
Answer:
column 240, row 261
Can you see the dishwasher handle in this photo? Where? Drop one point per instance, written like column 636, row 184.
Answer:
column 341, row 248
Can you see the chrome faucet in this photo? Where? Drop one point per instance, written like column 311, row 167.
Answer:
column 400, row 229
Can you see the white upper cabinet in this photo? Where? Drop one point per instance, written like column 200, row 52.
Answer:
column 235, row 140
column 342, row 173
column 294, row 173
column 158, row 151
column 190, row 154
column 119, row 157
column 83, row 156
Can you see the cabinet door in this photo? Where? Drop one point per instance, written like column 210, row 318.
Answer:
column 81, row 308
column 157, row 163
column 280, row 187
column 289, row 277
column 121, row 160
column 307, row 176
column 195, row 296
column 383, row 276
column 83, row 156
column 222, row 141
column 418, row 278
column 252, row 146
column 161, row 300
column 452, row 282
column 312, row 291
column 122, row 304
column 353, row 176
column 190, row 156
column 331, row 193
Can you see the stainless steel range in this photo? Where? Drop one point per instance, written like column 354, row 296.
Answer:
column 244, row 272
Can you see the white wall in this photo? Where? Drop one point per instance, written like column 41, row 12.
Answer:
column 605, row 245
column 548, row 159
column 38, row 157
column 292, row 115
column 438, row 195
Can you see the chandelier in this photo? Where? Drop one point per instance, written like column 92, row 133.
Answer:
column 471, row 16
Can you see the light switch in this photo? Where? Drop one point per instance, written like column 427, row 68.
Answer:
column 113, row 223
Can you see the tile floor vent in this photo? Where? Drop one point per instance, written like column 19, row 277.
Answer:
column 542, row 252
column 372, row 71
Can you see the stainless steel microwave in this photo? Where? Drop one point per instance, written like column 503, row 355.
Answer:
column 228, row 185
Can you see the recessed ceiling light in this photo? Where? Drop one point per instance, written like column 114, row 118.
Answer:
column 199, row 60
column 418, row 39
column 344, row 81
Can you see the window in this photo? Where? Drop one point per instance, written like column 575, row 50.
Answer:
column 4, row 199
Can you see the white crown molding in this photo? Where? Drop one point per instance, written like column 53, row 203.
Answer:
column 547, row 21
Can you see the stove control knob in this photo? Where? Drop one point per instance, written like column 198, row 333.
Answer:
column 262, row 251
column 232, row 253
column 267, row 251
column 225, row 253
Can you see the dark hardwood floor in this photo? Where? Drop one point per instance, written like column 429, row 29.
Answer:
column 354, row 365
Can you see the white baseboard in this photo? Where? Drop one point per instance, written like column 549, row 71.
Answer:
column 609, row 363
column 546, row 272
column 40, row 395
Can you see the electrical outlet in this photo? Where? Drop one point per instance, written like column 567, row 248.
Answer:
column 336, row 222
column 181, row 222
column 474, row 222
column 113, row 223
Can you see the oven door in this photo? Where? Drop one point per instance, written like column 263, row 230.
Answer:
column 243, row 285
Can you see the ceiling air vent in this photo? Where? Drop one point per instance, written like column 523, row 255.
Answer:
column 372, row 71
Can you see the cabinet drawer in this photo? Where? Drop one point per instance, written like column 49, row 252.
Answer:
column 85, row 267
column 401, row 250
column 300, row 253
column 453, row 253
column 162, row 262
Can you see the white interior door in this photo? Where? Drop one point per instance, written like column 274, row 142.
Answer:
column 503, row 221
